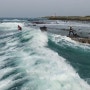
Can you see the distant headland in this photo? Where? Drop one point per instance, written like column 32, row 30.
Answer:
column 78, row 18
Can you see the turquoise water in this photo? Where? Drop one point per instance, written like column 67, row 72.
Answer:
column 35, row 60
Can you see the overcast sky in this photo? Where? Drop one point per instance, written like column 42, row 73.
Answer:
column 38, row 8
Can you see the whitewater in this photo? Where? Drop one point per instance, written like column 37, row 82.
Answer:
column 34, row 60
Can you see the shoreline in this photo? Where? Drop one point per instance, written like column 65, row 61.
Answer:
column 72, row 18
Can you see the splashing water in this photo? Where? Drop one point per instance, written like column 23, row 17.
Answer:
column 28, row 63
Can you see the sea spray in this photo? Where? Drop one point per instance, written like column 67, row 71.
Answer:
column 35, row 60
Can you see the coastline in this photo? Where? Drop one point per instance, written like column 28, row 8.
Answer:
column 73, row 18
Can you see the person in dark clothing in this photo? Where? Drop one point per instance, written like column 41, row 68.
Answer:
column 19, row 27
column 71, row 31
column 44, row 28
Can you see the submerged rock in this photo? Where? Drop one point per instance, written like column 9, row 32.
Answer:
column 82, row 40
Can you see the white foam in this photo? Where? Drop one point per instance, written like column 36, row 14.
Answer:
column 5, row 84
column 54, row 72
column 39, row 40
column 69, row 42
column 5, row 71
column 47, row 69
column 70, row 23
column 6, row 26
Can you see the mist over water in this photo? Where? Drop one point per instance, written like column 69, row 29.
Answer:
column 35, row 60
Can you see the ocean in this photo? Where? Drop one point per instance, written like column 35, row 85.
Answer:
column 34, row 60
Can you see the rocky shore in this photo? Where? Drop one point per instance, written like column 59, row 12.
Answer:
column 78, row 18
column 73, row 18
column 82, row 40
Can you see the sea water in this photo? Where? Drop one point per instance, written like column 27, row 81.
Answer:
column 34, row 60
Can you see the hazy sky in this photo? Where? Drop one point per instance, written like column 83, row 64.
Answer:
column 36, row 8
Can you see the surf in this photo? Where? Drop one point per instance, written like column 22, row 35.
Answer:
column 28, row 61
